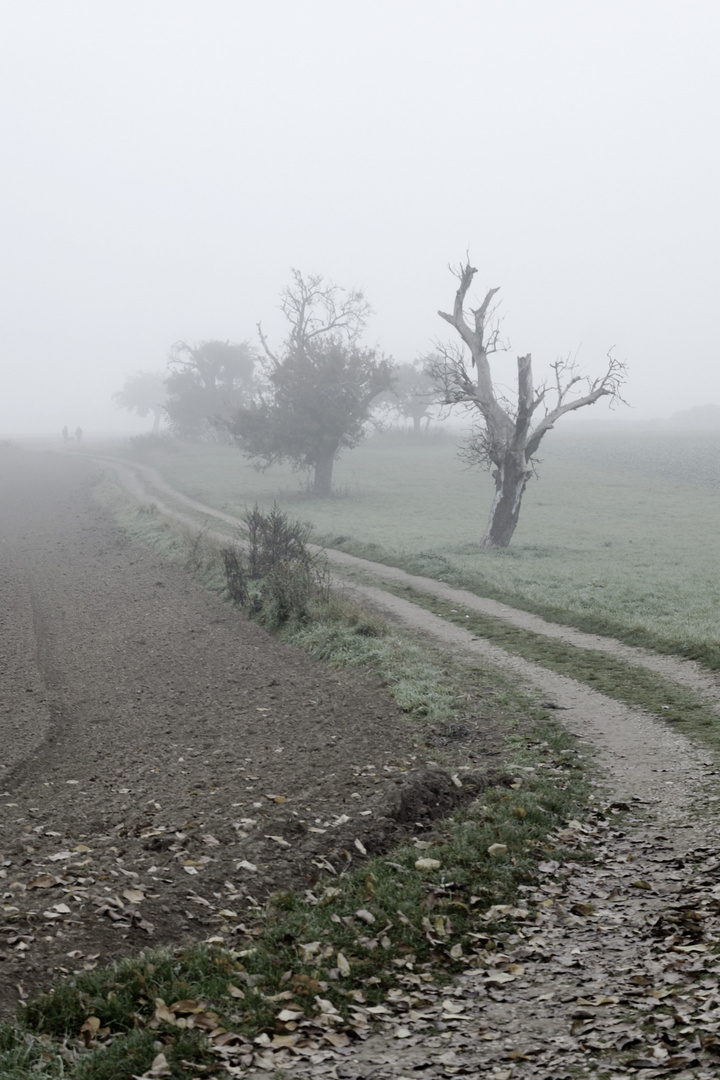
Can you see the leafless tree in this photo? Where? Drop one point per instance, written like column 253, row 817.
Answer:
column 508, row 433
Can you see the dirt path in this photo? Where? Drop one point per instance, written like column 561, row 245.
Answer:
column 639, row 756
column 619, row 975
column 148, row 486
column 155, row 744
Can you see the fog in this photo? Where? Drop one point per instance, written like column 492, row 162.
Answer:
column 165, row 164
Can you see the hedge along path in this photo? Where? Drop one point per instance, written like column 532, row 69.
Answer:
column 641, row 758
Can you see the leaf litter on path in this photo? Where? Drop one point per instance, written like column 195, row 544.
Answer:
column 591, row 976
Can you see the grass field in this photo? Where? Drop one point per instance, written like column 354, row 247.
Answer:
column 618, row 534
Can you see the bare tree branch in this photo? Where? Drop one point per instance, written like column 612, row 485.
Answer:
column 266, row 348
column 504, row 436
column 317, row 308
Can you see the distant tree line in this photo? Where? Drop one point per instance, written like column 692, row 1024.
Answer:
column 322, row 389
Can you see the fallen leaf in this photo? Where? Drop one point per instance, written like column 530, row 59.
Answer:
column 497, row 978
column 286, row 1016
column 279, row 1041
column 338, row 1039
column 90, row 1029
column 44, row 881
column 450, row 1005
column 187, row 1005
column 158, row 1068
column 308, row 950
column 163, row 1014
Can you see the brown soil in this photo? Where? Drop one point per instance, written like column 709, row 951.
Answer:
column 150, row 733
column 163, row 758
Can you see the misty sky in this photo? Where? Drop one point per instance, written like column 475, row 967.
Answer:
column 165, row 162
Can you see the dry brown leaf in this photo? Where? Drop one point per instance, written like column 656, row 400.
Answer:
column 427, row 864
column 163, row 1014
column 287, row 1016
column 308, row 950
column 187, row 1005
column 279, row 1041
column 90, row 1029
column 243, row 864
column 337, row 1038
column 44, row 881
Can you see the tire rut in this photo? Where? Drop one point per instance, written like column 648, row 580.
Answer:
column 639, row 756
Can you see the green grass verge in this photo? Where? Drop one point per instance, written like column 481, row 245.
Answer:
column 610, row 675
column 440, row 568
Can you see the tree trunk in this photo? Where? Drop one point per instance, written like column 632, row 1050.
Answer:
column 157, row 416
column 511, row 476
column 322, row 486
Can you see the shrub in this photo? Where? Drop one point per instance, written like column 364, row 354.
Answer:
column 274, row 573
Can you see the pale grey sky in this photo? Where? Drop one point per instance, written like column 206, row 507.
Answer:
column 165, row 162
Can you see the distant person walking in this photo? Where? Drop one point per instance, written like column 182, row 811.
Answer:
column 78, row 433
column 66, row 434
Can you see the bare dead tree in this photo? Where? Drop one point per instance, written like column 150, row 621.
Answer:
column 314, row 309
column 507, row 435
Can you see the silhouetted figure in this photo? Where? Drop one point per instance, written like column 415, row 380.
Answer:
column 66, row 434
column 78, row 433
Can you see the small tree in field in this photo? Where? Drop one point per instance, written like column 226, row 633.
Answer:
column 414, row 394
column 144, row 393
column 205, row 384
column 507, row 435
column 319, row 387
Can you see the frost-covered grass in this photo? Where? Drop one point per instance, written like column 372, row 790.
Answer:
column 619, row 534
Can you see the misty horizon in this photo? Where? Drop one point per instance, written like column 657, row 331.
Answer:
column 166, row 165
